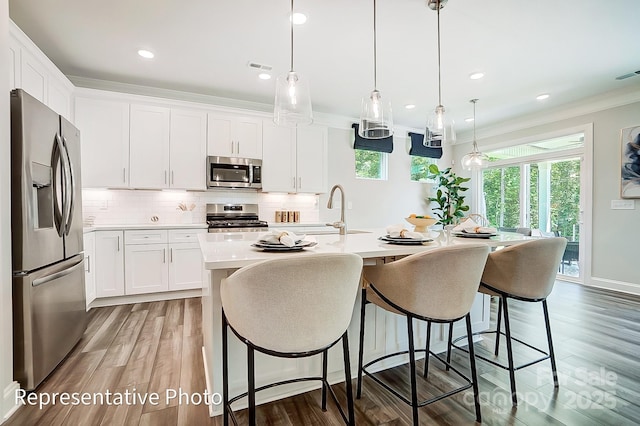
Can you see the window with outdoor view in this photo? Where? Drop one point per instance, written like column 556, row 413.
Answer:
column 371, row 164
column 420, row 168
column 538, row 186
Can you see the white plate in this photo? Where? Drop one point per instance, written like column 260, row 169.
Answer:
column 281, row 247
column 474, row 234
column 404, row 241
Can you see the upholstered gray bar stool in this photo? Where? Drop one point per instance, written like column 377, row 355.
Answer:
column 290, row 307
column 434, row 286
column 527, row 272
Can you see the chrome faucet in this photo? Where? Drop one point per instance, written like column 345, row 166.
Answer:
column 341, row 225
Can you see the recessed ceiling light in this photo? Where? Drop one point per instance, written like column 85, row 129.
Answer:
column 264, row 76
column 146, row 54
column 542, row 97
column 469, row 120
column 299, row 18
column 409, row 106
column 476, row 75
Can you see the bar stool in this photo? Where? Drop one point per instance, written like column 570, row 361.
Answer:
column 527, row 272
column 439, row 286
column 290, row 307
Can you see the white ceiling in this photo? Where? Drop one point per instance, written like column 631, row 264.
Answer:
column 571, row 49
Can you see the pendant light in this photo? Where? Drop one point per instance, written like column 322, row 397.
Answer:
column 439, row 127
column 293, row 102
column 376, row 119
column 475, row 159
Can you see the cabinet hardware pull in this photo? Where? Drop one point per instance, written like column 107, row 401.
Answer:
column 171, row 255
column 124, row 174
column 294, row 182
column 88, row 264
column 237, row 147
column 118, row 242
column 299, row 183
column 164, row 255
column 172, row 182
column 232, row 147
column 165, row 177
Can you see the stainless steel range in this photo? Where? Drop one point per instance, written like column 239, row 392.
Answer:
column 234, row 218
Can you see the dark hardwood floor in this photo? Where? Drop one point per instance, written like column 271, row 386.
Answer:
column 151, row 347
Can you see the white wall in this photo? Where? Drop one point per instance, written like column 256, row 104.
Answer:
column 7, row 386
column 374, row 203
column 615, row 233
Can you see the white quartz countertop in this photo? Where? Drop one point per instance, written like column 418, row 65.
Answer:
column 228, row 251
column 135, row 226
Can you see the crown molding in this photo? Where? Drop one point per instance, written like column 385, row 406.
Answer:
column 579, row 108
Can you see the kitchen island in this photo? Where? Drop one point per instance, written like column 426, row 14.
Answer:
column 386, row 332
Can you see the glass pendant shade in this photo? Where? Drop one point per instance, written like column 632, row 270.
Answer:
column 293, row 102
column 440, row 129
column 376, row 120
column 475, row 159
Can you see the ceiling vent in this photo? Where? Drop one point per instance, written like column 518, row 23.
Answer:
column 257, row 66
column 631, row 74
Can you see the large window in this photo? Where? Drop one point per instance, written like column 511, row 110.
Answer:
column 371, row 164
column 538, row 186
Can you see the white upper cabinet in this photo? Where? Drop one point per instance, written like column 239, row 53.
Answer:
column 188, row 149
column 168, row 148
column 33, row 76
column 311, row 159
column 234, row 136
column 149, row 147
column 278, row 158
column 104, row 135
column 31, row 71
column 14, row 63
column 294, row 160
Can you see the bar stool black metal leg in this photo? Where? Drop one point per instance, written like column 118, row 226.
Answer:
column 412, row 364
column 552, row 355
column 474, row 373
column 498, row 326
column 225, row 373
column 512, row 373
column 347, row 379
column 251, row 378
column 449, row 346
column 324, row 381
column 427, row 345
column 363, row 304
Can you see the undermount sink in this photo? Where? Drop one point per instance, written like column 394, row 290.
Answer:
column 334, row 231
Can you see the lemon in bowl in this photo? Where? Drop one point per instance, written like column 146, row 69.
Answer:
column 421, row 223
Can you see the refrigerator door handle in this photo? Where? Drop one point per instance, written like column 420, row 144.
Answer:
column 59, row 211
column 70, row 188
column 56, row 275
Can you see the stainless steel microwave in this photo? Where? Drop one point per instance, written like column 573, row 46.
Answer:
column 232, row 172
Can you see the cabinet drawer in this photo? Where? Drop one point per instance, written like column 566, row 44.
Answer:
column 149, row 236
column 185, row 235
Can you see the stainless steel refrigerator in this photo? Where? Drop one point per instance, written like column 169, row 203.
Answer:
column 49, row 315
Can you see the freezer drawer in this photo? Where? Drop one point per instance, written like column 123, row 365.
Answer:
column 49, row 318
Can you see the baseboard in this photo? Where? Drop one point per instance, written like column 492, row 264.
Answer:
column 9, row 401
column 142, row 298
column 619, row 286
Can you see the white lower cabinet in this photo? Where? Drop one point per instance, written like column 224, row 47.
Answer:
column 109, row 263
column 146, row 268
column 90, row 267
column 162, row 260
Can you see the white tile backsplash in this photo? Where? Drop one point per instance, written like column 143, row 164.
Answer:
column 108, row 207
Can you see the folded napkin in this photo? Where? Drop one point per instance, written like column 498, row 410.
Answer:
column 277, row 236
column 470, row 227
column 398, row 231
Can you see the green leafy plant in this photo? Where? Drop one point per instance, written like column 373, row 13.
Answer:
column 449, row 195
